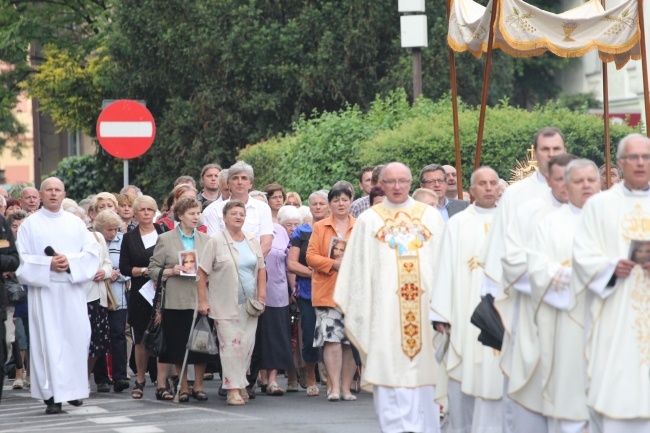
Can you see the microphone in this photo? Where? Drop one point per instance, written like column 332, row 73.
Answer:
column 49, row 251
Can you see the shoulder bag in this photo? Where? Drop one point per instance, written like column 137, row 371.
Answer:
column 110, row 296
column 153, row 338
column 254, row 308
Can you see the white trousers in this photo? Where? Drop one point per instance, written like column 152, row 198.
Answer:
column 556, row 425
column 461, row 409
column 517, row 419
column 601, row 424
column 407, row 409
column 487, row 416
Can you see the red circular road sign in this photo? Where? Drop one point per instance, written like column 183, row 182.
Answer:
column 126, row 129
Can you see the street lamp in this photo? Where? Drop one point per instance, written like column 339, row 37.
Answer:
column 413, row 29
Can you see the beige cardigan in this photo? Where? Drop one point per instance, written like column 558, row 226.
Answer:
column 97, row 289
column 223, row 275
column 180, row 290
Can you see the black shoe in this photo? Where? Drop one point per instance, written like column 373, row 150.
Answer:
column 76, row 403
column 121, row 385
column 103, row 387
column 52, row 408
column 251, row 393
column 222, row 392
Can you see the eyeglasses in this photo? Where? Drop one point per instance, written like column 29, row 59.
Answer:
column 277, row 197
column 392, row 182
column 433, row 181
column 634, row 157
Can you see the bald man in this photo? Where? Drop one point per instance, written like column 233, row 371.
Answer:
column 58, row 257
column 30, row 199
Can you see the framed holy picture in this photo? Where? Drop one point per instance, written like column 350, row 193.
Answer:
column 337, row 247
column 640, row 251
column 188, row 259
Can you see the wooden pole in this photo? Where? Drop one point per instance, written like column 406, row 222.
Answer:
column 608, row 149
column 416, row 57
column 644, row 67
column 454, row 110
column 486, row 81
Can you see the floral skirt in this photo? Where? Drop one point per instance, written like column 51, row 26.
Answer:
column 100, row 330
column 236, row 341
column 329, row 327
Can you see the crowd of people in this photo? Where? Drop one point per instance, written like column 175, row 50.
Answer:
column 351, row 293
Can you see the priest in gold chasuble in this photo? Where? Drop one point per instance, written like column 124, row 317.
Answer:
column 607, row 266
column 384, row 289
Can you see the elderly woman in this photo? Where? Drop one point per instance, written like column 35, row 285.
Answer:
column 12, row 206
column 293, row 199
column 273, row 328
column 234, row 262
column 108, row 223
column 330, row 331
column 180, row 191
column 297, row 264
column 102, row 201
column 125, row 211
column 135, row 253
column 180, row 297
column 276, row 198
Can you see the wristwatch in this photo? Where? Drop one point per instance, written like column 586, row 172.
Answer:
column 143, row 271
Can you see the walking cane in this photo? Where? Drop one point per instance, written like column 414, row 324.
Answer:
column 187, row 351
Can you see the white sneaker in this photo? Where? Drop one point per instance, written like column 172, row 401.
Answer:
column 18, row 384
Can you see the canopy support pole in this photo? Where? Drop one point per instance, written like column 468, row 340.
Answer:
column 608, row 146
column 486, row 82
column 454, row 110
column 644, row 68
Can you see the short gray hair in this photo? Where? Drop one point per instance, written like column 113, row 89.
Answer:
column 579, row 163
column 128, row 187
column 288, row 213
column 3, row 202
column 322, row 193
column 78, row 211
column 620, row 150
column 432, row 167
column 241, row 167
column 106, row 218
column 256, row 193
column 472, row 178
column 305, row 214
column 223, row 174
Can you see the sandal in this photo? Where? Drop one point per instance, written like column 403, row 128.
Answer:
column 164, row 394
column 199, row 395
column 184, row 397
column 138, row 390
column 333, row 397
column 244, row 395
column 274, row 389
column 312, row 391
column 235, row 400
column 348, row 397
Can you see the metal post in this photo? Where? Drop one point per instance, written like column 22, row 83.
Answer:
column 126, row 173
column 416, row 54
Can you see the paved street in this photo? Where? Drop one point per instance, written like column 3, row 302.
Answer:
column 112, row 412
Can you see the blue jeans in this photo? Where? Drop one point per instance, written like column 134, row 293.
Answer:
column 308, row 324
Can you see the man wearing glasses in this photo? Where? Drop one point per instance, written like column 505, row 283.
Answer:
column 433, row 177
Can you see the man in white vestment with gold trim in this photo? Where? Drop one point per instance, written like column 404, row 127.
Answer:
column 475, row 382
column 548, row 142
column 618, row 295
column 559, row 316
column 384, row 289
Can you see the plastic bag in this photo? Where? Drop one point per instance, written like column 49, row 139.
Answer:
column 201, row 339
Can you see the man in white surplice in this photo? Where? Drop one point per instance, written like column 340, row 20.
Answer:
column 548, row 142
column 384, row 289
column 475, row 382
column 59, row 328
column 618, row 295
column 558, row 315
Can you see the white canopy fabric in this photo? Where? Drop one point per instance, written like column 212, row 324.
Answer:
column 523, row 30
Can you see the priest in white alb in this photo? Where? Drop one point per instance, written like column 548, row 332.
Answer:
column 618, row 288
column 384, row 289
column 475, row 381
column 559, row 316
column 58, row 256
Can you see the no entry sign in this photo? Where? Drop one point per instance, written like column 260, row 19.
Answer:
column 126, row 129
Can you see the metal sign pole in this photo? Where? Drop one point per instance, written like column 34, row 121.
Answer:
column 126, row 173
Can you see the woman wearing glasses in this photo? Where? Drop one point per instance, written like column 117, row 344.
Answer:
column 276, row 198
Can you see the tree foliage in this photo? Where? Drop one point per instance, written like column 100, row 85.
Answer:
column 85, row 175
column 335, row 146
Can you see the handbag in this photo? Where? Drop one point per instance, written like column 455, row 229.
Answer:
column 15, row 291
column 486, row 318
column 110, row 296
column 254, row 308
column 153, row 339
column 202, row 338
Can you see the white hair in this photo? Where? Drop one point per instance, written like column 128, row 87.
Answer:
column 579, row 163
column 78, row 211
column 241, row 167
column 472, row 178
column 223, row 174
column 320, row 193
column 3, row 202
column 620, row 150
column 256, row 193
column 305, row 214
column 289, row 213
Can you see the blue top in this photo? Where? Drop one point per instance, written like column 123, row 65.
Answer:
column 300, row 239
column 188, row 241
column 246, row 270
column 444, row 210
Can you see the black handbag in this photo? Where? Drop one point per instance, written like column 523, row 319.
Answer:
column 16, row 293
column 487, row 319
column 153, row 338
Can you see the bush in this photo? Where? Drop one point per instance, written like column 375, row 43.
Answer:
column 335, row 146
column 88, row 174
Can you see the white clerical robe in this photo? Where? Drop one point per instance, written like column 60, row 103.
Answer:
column 520, row 355
column 618, row 345
column 457, row 292
column 59, row 328
column 562, row 363
column 384, row 289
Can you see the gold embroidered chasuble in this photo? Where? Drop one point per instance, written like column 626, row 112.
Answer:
column 384, row 288
column 456, row 294
column 618, row 344
column 561, row 336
